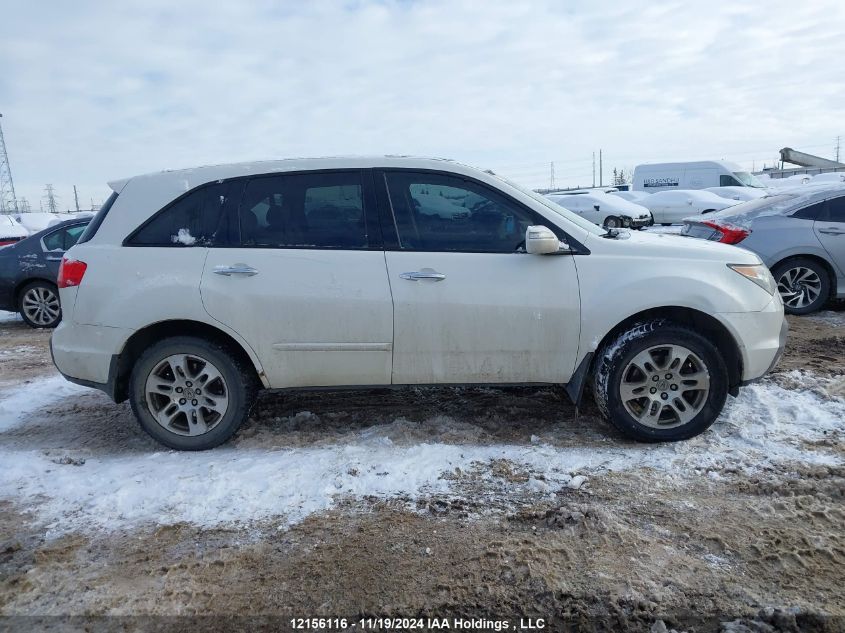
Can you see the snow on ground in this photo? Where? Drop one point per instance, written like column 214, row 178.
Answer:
column 767, row 427
column 9, row 316
column 828, row 317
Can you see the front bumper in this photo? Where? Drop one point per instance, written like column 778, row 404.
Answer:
column 761, row 337
column 637, row 223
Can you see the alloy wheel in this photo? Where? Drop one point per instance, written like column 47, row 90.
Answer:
column 41, row 305
column 799, row 287
column 665, row 386
column 187, row 394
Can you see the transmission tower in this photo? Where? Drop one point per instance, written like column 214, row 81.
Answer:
column 51, row 198
column 23, row 206
column 8, row 201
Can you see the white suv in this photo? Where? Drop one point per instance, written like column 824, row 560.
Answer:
column 191, row 290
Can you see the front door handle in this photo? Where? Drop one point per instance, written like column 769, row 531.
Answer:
column 832, row 230
column 235, row 269
column 417, row 275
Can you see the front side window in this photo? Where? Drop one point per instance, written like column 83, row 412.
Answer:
column 436, row 212
column 729, row 181
column 747, row 179
column 319, row 210
column 192, row 220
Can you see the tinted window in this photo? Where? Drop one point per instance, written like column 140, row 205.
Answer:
column 72, row 235
column 54, row 241
column 813, row 212
column 728, row 181
column 433, row 212
column 319, row 210
column 97, row 220
column 192, row 220
column 836, row 210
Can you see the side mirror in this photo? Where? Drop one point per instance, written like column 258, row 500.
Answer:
column 597, row 207
column 540, row 240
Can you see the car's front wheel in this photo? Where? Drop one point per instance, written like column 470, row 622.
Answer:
column 190, row 393
column 612, row 222
column 39, row 305
column 803, row 284
column 660, row 381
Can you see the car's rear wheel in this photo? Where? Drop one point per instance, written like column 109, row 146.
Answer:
column 39, row 305
column 612, row 222
column 190, row 393
column 803, row 284
column 660, row 381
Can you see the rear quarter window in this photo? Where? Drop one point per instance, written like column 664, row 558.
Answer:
column 194, row 219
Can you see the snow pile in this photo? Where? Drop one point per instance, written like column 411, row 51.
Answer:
column 767, row 429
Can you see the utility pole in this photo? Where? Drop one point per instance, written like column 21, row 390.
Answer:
column 552, row 177
column 601, row 176
column 76, row 198
column 8, row 201
column 594, row 170
column 838, row 142
column 51, row 199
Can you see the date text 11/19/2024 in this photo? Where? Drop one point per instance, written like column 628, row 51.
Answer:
column 419, row 624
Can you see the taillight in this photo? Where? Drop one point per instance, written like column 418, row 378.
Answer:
column 730, row 234
column 71, row 272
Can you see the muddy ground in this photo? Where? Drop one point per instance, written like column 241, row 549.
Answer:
column 632, row 550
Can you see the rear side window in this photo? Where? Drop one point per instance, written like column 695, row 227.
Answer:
column 813, row 212
column 97, row 220
column 318, row 210
column 63, row 239
column 836, row 210
column 192, row 220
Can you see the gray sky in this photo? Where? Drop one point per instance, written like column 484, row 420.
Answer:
column 92, row 91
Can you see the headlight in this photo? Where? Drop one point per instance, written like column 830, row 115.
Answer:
column 757, row 273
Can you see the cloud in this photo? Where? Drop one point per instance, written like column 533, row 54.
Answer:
column 93, row 91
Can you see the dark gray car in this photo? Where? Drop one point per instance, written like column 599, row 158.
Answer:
column 28, row 272
column 799, row 234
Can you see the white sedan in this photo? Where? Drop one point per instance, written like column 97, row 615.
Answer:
column 604, row 209
column 671, row 207
column 742, row 194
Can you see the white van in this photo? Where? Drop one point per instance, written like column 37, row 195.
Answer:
column 692, row 175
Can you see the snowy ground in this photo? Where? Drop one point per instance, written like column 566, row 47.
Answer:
column 448, row 487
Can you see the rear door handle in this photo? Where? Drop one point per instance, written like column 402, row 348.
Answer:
column 832, row 230
column 417, row 275
column 235, row 269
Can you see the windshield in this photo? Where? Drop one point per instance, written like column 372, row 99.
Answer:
column 747, row 179
column 575, row 219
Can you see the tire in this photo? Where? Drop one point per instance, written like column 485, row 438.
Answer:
column 612, row 222
column 38, row 304
column 803, row 284
column 618, row 364
column 222, row 401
